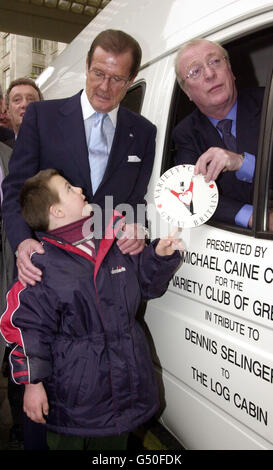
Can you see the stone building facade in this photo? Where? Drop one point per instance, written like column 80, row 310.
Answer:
column 22, row 56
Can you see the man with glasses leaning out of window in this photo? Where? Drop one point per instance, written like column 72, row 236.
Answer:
column 97, row 144
column 220, row 137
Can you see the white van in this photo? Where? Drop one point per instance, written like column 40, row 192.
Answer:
column 212, row 331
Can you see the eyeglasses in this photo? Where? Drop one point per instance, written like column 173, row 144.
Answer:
column 115, row 81
column 215, row 62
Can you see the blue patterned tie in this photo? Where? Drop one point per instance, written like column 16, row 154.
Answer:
column 229, row 140
column 97, row 147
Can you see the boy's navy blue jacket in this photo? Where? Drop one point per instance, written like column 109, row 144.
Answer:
column 76, row 332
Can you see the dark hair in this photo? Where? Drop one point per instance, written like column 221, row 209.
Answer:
column 36, row 197
column 23, row 81
column 117, row 42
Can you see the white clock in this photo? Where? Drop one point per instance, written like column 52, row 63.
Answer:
column 183, row 199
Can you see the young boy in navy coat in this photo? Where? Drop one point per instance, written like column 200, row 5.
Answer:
column 76, row 344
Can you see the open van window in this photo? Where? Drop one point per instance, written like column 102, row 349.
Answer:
column 269, row 224
column 134, row 97
column 250, row 59
column 263, row 196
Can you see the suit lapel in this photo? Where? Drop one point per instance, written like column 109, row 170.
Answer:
column 5, row 153
column 123, row 139
column 209, row 135
column 72, row 129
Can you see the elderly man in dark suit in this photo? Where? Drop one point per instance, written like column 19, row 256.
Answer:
column 6, row 135
column 220, row 137
column 71, row 134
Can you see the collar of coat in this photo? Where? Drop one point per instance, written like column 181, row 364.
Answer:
column 114, row 226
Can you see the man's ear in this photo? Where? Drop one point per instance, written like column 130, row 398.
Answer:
column 56, row 212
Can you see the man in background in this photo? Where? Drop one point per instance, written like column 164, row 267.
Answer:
column 20, row 93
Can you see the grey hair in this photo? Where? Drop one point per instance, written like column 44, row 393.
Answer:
column 188, row 44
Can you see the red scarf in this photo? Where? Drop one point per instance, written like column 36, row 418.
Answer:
column 79, row 234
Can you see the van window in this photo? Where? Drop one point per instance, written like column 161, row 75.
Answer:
column 134, row 97
column 263, row 197
column 251, row 59
column 269, row 205
column 269, row 224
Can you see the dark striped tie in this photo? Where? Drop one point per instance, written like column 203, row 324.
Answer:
column 229, row 140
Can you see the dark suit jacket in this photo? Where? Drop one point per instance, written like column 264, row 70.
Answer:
column 195, row 134
column 52, row 135
column 6, row 135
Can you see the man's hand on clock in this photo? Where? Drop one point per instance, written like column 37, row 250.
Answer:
column 215, row 160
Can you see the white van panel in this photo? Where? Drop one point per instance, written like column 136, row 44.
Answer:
column 159, row 25
column 199, row 424
column 212, row 332
column 190, row 368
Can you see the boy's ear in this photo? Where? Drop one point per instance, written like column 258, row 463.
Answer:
column 55, row 211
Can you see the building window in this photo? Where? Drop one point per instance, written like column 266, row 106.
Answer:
column 6, row 44
column 54, row 46
column 37, row 45
column 6, row 79
column 36, row 70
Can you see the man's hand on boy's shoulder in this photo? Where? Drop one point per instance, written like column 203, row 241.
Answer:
column 132, row 240
column 27, row 272
column 167, row 246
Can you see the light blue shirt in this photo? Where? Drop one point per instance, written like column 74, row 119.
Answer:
column 88, row 110
column 245, row 173
column 110, row 122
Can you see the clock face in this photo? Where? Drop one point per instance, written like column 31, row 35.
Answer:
column 184, row 199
